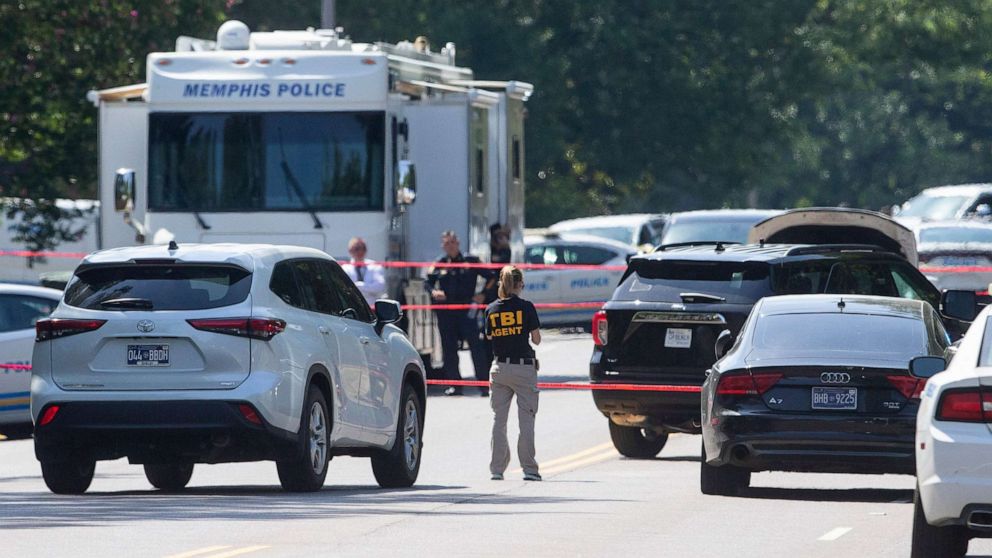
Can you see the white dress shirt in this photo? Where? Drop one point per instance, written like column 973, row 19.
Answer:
column 369, row 278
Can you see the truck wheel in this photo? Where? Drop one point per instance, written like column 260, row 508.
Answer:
column 306, row 473
column 170, row 476
column 935, row 542
column 636, row 442
column 726, row 480
column 399, row 467
column 17, row 431
column 68, row 477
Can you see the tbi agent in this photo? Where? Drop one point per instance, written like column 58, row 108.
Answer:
column 512, row 325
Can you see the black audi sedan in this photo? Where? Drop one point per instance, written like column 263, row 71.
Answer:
column 816, row 383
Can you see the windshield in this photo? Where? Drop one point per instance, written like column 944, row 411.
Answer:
column 955, row 234
column 158, row 287
column 934, row 208
column 855, row 276
column 826, row 335
column 248, row 161
column 690, row 231
column 620, row 234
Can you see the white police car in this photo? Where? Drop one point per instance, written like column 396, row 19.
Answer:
column 640, row 230
column 172, row 356
column 953, row 501
column 20, row 307
column 566, row 286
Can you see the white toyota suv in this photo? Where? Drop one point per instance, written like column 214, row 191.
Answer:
column 177, row 355
column 953, row 501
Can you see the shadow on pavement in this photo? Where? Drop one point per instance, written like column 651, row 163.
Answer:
column 686, row 458
column 39, row 510
column 867, row 495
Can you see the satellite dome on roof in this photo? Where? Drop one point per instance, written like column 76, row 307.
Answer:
column 233, row 35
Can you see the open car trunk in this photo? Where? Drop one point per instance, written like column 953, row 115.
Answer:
column 822, row 225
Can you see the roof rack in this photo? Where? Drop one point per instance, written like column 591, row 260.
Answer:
column 824, row 248
column 663, row 247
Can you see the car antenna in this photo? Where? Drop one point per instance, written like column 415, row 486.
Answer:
column 173, row 246
column 841, row 304
column 719, row 247
column 761, row 242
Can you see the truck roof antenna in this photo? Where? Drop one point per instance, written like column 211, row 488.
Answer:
column 173, row 246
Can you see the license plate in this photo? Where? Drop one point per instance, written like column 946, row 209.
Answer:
column 835, row 398
column 147, row 355
column 678, row 338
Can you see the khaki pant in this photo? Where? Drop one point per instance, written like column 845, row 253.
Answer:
column 509, row 380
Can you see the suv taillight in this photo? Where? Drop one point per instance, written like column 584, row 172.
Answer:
column 256, row 328
column 53, row 328
column 747, row 384
column 599, row 328
column 965, row 405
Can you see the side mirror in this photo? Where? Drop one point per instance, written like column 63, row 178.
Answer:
column 124, row 184
column 406, row 183
column 387, row 312
column 926, row 366
column 723, row 343
column 959, row 305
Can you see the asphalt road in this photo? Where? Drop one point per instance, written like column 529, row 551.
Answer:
column 592, row 502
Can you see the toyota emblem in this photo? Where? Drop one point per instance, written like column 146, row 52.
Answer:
column 146, row 326
column 835, row 377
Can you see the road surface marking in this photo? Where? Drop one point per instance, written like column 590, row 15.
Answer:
column 238, row 551
column 835, row 534
column 572, row 457
column 199, row 551
column 575, row 464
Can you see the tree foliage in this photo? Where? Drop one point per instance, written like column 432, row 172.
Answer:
column 639, row 105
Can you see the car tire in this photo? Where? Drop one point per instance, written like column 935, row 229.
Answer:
column 307, row 472
column 399, row 467
column 636, row 442
column 935, row 542
column 69, row 476
column 18, row 431
column 169, row 477
column 725, row 480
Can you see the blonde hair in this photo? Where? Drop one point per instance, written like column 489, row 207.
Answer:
column 510, row 279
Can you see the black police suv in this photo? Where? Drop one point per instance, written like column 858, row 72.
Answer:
column 662, row 322
column 817, row 383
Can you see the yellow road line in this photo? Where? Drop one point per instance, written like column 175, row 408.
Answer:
column 238, row 551
column 199, row 551
column 592, row 460
column 572, row 457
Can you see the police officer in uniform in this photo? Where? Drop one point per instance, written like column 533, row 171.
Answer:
column 449, row 285
column 512, row 324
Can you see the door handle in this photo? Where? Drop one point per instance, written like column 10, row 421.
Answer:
column 363, row 340
column 323, row 330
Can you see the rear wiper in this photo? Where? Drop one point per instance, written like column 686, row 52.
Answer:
column 701, row 297
column 141, row 303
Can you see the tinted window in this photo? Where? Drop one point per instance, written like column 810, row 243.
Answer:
column 828, row 335
column 258, row 161
column 738, row 282
column 21, row 312
column 318, row 288
column 541, row 254
column 352, row 298
column 284, row 285
column 881, row 278
column 164, row 287
column 697, row 231
column 584, row 255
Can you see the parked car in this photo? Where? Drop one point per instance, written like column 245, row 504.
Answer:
column 572, row 285
column 172, row 356
column 641, row 230
column 20, row 307
column 965, row 245
column 816, row 383
column 944, row 203
column 728, row 225
column 953, row 497
column 661, row 323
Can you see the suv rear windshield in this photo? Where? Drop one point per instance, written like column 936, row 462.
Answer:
column 158, row 287
column 737, row 282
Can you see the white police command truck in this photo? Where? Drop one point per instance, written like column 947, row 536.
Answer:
column 307, row 138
